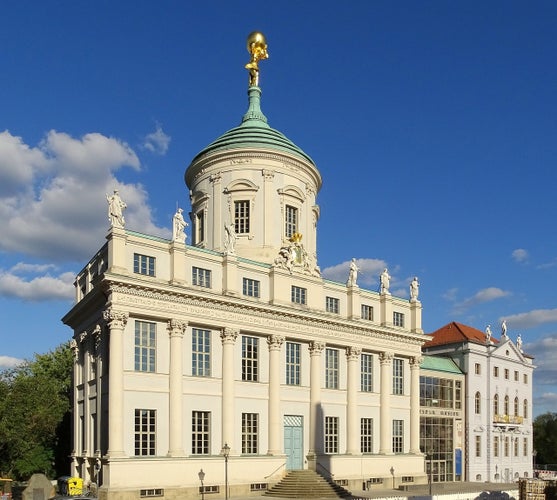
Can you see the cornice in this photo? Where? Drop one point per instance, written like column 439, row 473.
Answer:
column 241, row 159
column 224, row 310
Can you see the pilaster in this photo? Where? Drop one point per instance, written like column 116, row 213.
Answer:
column 228, row 337
column 117, row 250
column 354, row 302
column 315, row 424
column 416, row 316
column 176, row 330
column 178, row 263
column 352, row 427
column 230, row 274
column 275, row 343
column 385, row 425
column 386, row 305
column 116, row 321
column 415, row 404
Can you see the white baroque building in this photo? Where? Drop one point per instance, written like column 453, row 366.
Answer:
column 237, row 340
column 498, row 421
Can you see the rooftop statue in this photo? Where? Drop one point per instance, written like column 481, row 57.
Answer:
column 257, row 47
column 116, row 209
column 414, row 289
column 178, row 227
column 353, row 273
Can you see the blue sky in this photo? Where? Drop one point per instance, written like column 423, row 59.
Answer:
column 433, row 123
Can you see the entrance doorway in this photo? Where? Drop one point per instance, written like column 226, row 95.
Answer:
column 294, row 441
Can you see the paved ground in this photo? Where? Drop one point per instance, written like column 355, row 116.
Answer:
column 423, row 490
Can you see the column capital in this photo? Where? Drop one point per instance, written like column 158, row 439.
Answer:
column 176, row 327
column 415, row 362
column 229, row 335
column 275, row 342
column 75, row 350
column 316, row 348
column 115, row 318
column 353, row 353
column 386, row 357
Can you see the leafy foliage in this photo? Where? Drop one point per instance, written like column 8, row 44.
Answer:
column 545, row 439
column 35, row 402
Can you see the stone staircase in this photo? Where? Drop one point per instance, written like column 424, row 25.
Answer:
column 306, row 484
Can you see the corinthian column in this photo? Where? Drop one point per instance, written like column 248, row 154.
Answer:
column 116, row 321
column 352, row 428
column 176, row 331
column 228, row 337
column 415, row 404
column 315, row 417
column 385, row 425
column 275, row 343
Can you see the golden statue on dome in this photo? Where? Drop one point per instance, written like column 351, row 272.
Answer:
column 257, row 47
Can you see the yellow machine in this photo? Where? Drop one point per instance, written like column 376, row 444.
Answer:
column 70, row 485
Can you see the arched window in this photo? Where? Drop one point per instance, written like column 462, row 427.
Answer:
column 516, row 404
column 506, row 405
column 496, row 404
column 477, row 403
column 525, row 409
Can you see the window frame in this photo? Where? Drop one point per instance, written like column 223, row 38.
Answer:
column 201, row 277
column 298, row 295
column 250, row 359
column 242, row 220
column 200, row 432
column 144, row 264
column 366, row 372
column 250, row 433
column 293, row 363
column 332, row 305
column 366, row 435
column 145, row 346
column 331, row 368
column 366, row 312
column 398, row 436
column 200, row 352
column 398, row 319
column 251, row 287
column 398, row 377
column 291, row 220
column 331, row 429
column 145, row 432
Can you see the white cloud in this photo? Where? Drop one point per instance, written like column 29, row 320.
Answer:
column 532, row 318
column 25, row 267
column 157, row 141
column 7, row 362
column 39, row 288
column 480, row 297
column 520, row 255
column 370, row 269
column 450, row 294
column 56, row 208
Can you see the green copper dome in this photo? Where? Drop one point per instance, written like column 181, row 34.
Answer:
column 254, row 132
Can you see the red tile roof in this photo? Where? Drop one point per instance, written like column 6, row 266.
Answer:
column 454, row 333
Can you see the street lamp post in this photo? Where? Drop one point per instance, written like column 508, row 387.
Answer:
column 201, row 475
column 226, row 453
column 393, row 474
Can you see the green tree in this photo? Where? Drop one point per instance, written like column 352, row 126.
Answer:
column 34, row 407
column 545, row 439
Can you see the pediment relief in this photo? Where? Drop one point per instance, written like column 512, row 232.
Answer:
column 241, row 185
column 293, row 192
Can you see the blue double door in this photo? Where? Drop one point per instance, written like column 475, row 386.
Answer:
column 294, row 441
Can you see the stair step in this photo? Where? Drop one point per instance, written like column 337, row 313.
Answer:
column 306, row 484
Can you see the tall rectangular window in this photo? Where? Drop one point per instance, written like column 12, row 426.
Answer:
column 200, row 432
column 478, row 446
column 496, row 371
column 366, row 435
column 241, row 217
column 366, row 373
column 293, row 363
column 506, row 446
column 331, row 435
column 145, row 346
column 332, row 305
column 200, row 227
column 398, row 319
column 290, row 221
column 201, row 277
column 250, row 287
column 143, row 264
column 367, row 312
column 516, row 377
column 525, row 447
column 298, row 295
column 331, row 369
column 477, row 368
column 250, row 366
column 495, row 446
column 398, row 376
column 398, row 436
column 200, row 353
column 145, row 432
column 250, row 430
column 458, row 394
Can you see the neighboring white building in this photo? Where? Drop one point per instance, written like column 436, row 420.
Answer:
column 238, row 340
column 498, row 400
